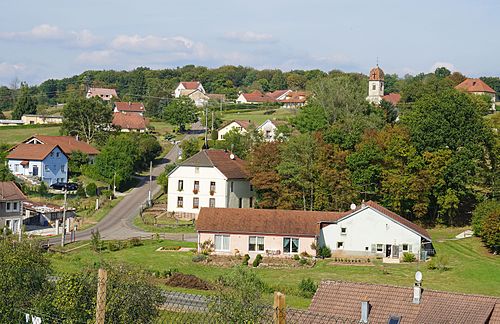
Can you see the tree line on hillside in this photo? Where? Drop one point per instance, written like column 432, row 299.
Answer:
column 155, row 87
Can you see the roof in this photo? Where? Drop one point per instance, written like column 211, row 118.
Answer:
column 68, row 144
column 392, row 97
column 262, row 221
column 231, row 168
column 102, row 92
column 243, row 123
column 129, row 120
column 37, row 152
column 343, row 299
column 257, row 96
column 376, row 74
column 474, row 85
column 191, row 85
column 216, row 96
column 129, row 106
column 277, row 93
column 9, row 191
column 45, row 207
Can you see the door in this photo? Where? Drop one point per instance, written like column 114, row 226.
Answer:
column 35, row 171
column 388, row 250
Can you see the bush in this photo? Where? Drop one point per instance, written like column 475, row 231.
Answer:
column 246, row 257
column 199, row 258
column 307, row 287
column 324, row 252
column 440, row 262
column 303, row 261
column 91, row 189
column 409, row 257
column 42, row 189
column 107, row 193
column 114, row 246
column 135, row 241
column 296, row 257
column 305, row 254
column 95, row 240
column 207, row 247
column 257, row 261
column 80, row 192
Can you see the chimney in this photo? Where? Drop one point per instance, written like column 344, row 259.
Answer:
column 365, row 311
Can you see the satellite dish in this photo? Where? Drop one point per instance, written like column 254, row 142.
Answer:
column 418, row 276
column 353, row 206
column 231, row 156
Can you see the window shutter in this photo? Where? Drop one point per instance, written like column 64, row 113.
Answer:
column 374, row 248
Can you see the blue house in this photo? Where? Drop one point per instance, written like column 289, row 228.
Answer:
column 45, row 162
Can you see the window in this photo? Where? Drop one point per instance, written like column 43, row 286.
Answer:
column 212, row 186
column 180, row 202
column 343, row 230
column 180, row 185
column 62, row 168
column 251, row 187
column 232, row 186
column 380, row 248
column 256, row 243
column 196, row 187
column 251, row 202
column 211, row 203
column 196, row 202
column 196, row 170
column 240, row 203
column 374, row 87
column 12, row 206
column 47, row 168
column 290, row 245
column 57, row 154
column 221, row 242
column 405, row 247
column 51, row 154
column 366, row 248
column 340, row 245
column 16, row 167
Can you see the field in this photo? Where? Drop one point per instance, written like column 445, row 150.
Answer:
column 472, row 269
column 259, row 116
column 15, row 134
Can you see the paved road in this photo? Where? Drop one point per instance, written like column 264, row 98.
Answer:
column 118, row 223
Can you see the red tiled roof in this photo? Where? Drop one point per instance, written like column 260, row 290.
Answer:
column 29, row 152
column 343, row 299
column 276, row 94
column 129, row 106
column 191, row 85
column 376, row 74
column 263, row 221
column 243, row 123
column 231, row 168
column 126, row 120
column 392, row 97
column 257, row 96
column 102, row 92
column 68, row 144
column 10, row 191
column 474, row 85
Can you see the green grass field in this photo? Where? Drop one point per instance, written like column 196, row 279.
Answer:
column 473, row 269
column 259, row 116
column 15, row 134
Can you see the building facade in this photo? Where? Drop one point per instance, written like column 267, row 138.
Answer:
column 375, row 85
column 11, row 206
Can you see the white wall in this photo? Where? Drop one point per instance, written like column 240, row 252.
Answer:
column 241, row 189
column 375, row 95
column 241, row 99
column 22, row 170
column 365, row 228
column 226, row 129
column 189, row 175
column 266, row 127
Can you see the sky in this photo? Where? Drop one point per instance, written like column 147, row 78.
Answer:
column 47, row 39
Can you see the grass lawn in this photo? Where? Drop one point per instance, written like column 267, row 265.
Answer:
column 473, row 270
column 16, row 134
column 90, row 217
column 260, row 116
column 186, row 226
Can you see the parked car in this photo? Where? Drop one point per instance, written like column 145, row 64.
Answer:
column 64, row 185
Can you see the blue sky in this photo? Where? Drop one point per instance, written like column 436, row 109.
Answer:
column 60, row 38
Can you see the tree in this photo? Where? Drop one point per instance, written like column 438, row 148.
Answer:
column 76, row 160
column 162, row 179
column 442, row 72
column 190, row 147
column 87, row 118
column 486, row 223
column 25, row 104
column 391, row 83
column 238, row 143
column 180, row 111
column 311, row 118
column 456, row 78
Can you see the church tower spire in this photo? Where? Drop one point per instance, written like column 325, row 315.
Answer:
column 376, row 85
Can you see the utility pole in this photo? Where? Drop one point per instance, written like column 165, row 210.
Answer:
column 63, row 237
column 206, row 128
column 150, row 182
column 114, row 184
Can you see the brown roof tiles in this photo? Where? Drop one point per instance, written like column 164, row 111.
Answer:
column 9, row 191
column 191, row 85
column 129, row 106
column 376, row 74
column 102, row 92
column 393, row 98
column 130, row 120
column 474, row 85
column 257, row 96
column 68, row 144
column 231, row 168
column 29, row 152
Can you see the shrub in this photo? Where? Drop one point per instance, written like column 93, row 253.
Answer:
column 324, row 252
column 107, row 193
column 42, row 189
column 257, row 261
column 207, row 247
column 296, row 257
column 114, row 245
column 409, row 257
column 135, row 241
column 95, row 240
column 303, row 261
column 307, row 287
column 485, row 220
column 440, row 262
column 199, row 258
column 246, row 257
column 91, row 189
column 305, row 254
column 80, row 192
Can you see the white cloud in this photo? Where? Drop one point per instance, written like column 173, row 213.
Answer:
column 47, row 32
column 96, row 57
column 447, row 65
column 136, row 43
column 11, row 70
column 249, row 37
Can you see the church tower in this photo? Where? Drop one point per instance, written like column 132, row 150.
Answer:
column 376, row 85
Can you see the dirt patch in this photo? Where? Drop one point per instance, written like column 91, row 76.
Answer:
column 187, row 281
column 224, row 261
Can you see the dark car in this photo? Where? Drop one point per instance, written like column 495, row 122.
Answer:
column 64, row 185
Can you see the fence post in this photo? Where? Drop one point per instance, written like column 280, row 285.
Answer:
column 101, row 296
column 279, row 308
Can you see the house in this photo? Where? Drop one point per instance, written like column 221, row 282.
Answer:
column 193, row 85
column 11, row 122
column 255, row 97
column 46, row 162
column 295, row 99
column 478, row 87
column 242, row 126
column 11, row 207
column 41, row 119
column 369, row 230
column 268, row 129
column 44, row 214
column 376, row 88
column 129, row 107
column 371, row 303
column 393, row 98
column 270, row 232
column 210, row 178
column 279, row 95
column 68, row 144
column 130, row 122
column 103, row 93
column 199, row 98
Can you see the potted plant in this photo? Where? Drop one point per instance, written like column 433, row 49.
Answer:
column 212, row 192
column 195, row 191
